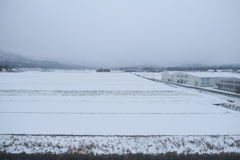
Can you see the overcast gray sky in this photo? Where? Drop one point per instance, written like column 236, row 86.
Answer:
column 111, row 33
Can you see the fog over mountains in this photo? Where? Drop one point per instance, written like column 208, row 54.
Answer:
column 17, row 61
column 111, row 34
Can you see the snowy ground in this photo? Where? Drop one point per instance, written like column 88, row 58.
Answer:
column 120, row 144
column 119, row 105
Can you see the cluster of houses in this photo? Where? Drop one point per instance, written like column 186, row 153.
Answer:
column 219, row 80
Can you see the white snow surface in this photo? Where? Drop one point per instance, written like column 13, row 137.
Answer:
column 110, row 104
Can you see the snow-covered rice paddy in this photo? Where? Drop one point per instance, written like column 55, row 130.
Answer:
column 119, row 105
column 119, row 144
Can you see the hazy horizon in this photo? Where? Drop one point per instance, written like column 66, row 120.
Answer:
column 123, row 33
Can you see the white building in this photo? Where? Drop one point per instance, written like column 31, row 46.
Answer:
column 228, row 84
column 167, row 76
column 200, row 79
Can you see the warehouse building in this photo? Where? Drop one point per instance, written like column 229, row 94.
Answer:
column 167, row 76
column 228, row 84
column 199, row 79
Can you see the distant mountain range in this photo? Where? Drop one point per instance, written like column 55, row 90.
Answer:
column 150, row 66
column 143, row 66
column 17, row 61
column 202, row 66
column 192, row 65
column 224, row 65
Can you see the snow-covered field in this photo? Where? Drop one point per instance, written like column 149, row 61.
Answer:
column 119, row 144
column 111, row 109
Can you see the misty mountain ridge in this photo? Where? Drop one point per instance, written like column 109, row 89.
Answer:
column 18, row 61
column 193, row 65
column 143, row 66
column 204, row 66
column 225, row 65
